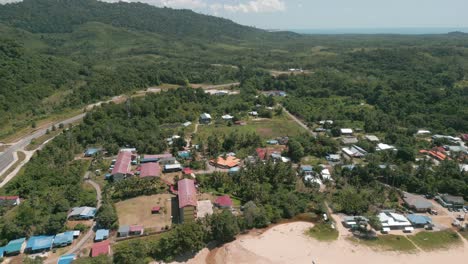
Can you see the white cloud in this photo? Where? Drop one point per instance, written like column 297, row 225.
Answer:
column 253, row 6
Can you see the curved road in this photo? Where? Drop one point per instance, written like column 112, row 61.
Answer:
column 7, row 158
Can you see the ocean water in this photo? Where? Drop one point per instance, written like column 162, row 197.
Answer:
column 402, row 31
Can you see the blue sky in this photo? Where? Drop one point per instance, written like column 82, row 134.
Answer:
column 327, row 14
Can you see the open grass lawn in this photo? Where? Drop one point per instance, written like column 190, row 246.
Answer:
column 323, row 232
column 137, row 211
column 436, row 240
column 387, row 243
column 265, row 128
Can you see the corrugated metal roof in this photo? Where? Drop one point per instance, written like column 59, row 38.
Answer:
column 122, row 165
column 187, row 193
column 39, row 243
column 150, row 170
column 63, row 238
column 66, row 259
column 419, row 219
column 101, row 234
column 100, row 248
column 224, row 201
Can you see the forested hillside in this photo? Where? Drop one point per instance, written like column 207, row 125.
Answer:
column 58, row 56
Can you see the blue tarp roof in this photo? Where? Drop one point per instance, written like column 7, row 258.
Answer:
column 306, row 168
column 184, row 154
column 63, row 238
column 102, row 234
column 14, row 245
column 39, row 242
column 235, row 169
column 1, row 252
column 66, row 259
column 91, row 151
column 419, row 219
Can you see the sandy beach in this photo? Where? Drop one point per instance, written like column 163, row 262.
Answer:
column 287, row 243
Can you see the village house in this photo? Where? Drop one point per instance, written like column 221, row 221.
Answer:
column 101, row 234
column 351, row 221
column 90, row 152
column 38, row 244
column 223, row 202
column 187, row 197
column 450, row 201
column 9, row 201
column 416, row 203
column 225, row 163
column 349, row 140
column 392, row 221
column 383, row 147
column 205, row 118
column 150, row 170
column 253, row 113
column 122, row 167
column 354, row 152
column 420, row 221
column 82, row 213
column 346, row 131
column 333, row 157
column 227, row 117
column 100, row 248
column 307, row 170
column 63, row 239
column 14, row 247
column 371, row 138
column 176, row 167
column 66, row 259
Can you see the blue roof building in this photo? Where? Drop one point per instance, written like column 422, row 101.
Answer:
column 101, row 234
column 82, row 213
column 306, row 168
column 1, row 252
column 184, row 154
column 66, row 259
column 148, row 160
column 14, row 247
column 234, row 170
column 39, row 244
column 91, row 152
column 63, row 239
column 419, row 220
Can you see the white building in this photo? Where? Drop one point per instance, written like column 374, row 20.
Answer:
column 382, row 146
column 390, row 220
column 346, row 131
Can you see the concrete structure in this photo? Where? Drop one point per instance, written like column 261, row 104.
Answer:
column 349, row 140
column 204, row 208
column 123, row 231
column 371, row 138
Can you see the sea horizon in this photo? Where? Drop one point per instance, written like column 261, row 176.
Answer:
column 401, row 31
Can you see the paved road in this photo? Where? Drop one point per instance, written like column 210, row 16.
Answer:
column 90, row 234
column 6, row 158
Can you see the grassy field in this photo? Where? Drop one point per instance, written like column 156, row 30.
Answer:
column 436, row 240
column 137, row 211
column 265, row 128
column 464, row 234
column 387, row 243
column 323, row 232
column 21, row 157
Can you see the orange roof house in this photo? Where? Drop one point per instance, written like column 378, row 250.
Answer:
column 225, row 163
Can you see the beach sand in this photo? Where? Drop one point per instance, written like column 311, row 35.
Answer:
column 287, row 243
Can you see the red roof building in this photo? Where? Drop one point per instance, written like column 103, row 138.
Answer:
column 123, row 162
column 155, row 209
column 151, row 169
column 261, row 153
column 136, row 230
column 159, row 156
column 9, row 200
column 101, row 248
column 464, row 137
column 187, row 171
column 223, row 201
column 187, row 193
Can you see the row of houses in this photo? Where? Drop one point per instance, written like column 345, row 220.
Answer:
column 37, row 244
